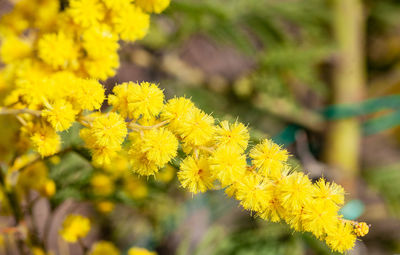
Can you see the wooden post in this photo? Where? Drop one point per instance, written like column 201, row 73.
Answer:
column 343, row 139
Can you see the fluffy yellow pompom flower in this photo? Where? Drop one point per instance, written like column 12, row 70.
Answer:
column 74, row 227
column 194, row 174
column 102, row 184
column 89, row 94
column 235, row 135
column 341, row 238
column 328, row 192
column 86, row 12
column 156, row 6
column 99, row 42
column 45, row 140
column 295, row 190
column 14, row 48
column 272, row 209
column 268, row 157
column 109, row 130
column 140, row 251
column 101, row 155
column 160, row 145
column 58, row 50
column 177, row 111
column 117, row 5
column 133, row 100
column 318, row 218
column 199, row 128
column 104, row 248
column 60, row 115
column 228, row 165
column 131, row 23
column 141, row 164
column 102, row 67
column 252, row 191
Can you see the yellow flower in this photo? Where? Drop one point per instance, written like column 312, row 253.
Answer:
column 86, row 12
column 60, row 115
column 135, row 187
column 105, row 206
column 13, row 23
column 319, row 219
column 109, row 130
column 268, row 157
column 74, row 227
column 131, row 23
column 104, row 248
column 159, row 145
column 33, row 171
column 253, row 193
column 140, row 251
column 89, row 94
column 58, row 50
column 45, row 140
column 195, row 175
column 133, row 100
column 117, row 5
column 99, row 42
column 328, row 192
column 102, row 184
column 141, row 164
column 177, row 111
column 228, row 165
column 39, row 251
column 101, row 155
column 341, row 238
column 156, row 6
column 47, row 15
column 166, row 174
column 235, row 135
column 102, row 67
column 295, row 190
column 272, row 208
column 14, row 48
column 199, row 128
column 48, row 188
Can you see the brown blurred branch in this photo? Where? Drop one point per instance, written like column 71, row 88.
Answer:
column 290, row 112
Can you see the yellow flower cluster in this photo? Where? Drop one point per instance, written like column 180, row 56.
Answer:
column 54, row 60
column 108, row 248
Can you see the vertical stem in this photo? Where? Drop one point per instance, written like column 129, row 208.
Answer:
column 344, row 136
column 12, row 199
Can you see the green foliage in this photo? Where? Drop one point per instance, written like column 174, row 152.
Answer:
column 386, row 180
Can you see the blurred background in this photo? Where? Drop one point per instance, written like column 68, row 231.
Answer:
column 320, row 77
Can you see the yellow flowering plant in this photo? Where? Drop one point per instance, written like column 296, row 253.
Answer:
column 55, row 60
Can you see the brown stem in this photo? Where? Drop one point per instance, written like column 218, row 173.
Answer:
column 137, row 126
column 8, row 111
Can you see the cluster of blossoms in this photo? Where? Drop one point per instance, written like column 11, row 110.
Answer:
column 54, row 58
column 75, row 227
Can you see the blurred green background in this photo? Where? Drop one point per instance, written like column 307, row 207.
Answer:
column 320, row 76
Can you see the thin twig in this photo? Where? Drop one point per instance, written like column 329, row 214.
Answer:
column 137, row 126
column 8, row 111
